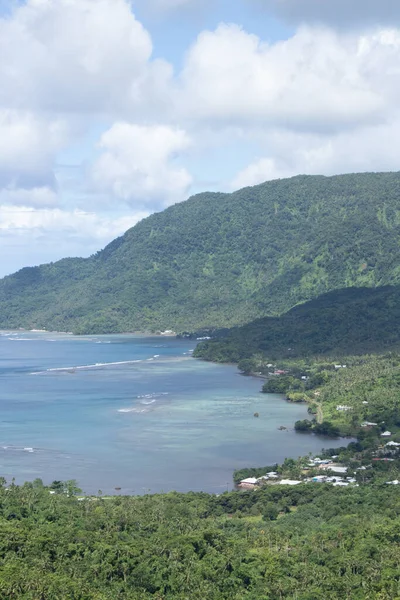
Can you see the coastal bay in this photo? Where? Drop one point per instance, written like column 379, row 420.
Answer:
column 136, row 413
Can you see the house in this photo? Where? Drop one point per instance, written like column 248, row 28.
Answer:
column 290, row 482
column 395, row 482
column 394, row 444
column 337, row 469
column 248, row 483
column 341, row 483
column 386, row 434
column 343, row 407
column 368, row 424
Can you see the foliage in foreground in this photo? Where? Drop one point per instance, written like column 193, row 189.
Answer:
column 221, row 259
column 303, row 543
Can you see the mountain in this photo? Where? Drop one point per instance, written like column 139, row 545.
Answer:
column 343, row 322
column 221, row 260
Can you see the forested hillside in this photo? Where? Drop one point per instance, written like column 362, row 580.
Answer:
column 340, row 323
column 309, row 542
column 221, row 259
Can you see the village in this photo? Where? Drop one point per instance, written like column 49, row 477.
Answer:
column 327, row 470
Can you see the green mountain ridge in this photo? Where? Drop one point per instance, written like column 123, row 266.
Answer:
column 220, row 260
column 343, row 322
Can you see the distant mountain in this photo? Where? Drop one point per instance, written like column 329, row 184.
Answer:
column 343, row 322
column 221, row 259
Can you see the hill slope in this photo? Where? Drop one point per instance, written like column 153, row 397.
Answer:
column 221, row 259
column 343, row 322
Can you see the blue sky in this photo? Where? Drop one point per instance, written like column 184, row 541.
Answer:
column 111, row 110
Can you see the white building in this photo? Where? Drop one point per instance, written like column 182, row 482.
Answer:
column 337, row 469
column 290, row 482
column 249, row 481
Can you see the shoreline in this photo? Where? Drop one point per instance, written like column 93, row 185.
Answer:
column 135, row 333
column 253, row 376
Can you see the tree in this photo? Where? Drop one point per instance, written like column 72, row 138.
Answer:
column 270, row 512
column 304, row 425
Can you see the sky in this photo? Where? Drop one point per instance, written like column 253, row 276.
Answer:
column 111, row 110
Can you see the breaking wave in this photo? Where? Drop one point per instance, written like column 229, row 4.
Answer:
column 86, row 367
column 144, row 400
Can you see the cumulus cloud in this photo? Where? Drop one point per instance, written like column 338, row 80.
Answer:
column 318, row 80
column 323, row 101
column 51, row 234
column 292, row 153
column 28, row 146
column 78, row 55
column 76, row 223
column 63, row 64
column 137, row 164
column 344, row 13
column 33, row 197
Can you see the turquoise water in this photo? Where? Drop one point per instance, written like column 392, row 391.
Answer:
column 134, row 412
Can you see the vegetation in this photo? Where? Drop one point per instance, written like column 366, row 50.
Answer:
column 369, row 389
column 368, row 460
column 342, row 397
column 308, row 542
column 349, row 321
column 220, row 260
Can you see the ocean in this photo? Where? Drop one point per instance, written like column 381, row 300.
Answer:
column 135, row 413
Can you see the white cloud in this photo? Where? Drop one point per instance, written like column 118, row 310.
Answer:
column 323, row 101
column 77, row 223
column 77, row 56
column 344, row 13
column 137, row 164
column 264, row 169
column 317, row 80
column 291, row 153
column 64, row 64
column 33, row 197
column 51, row 234
column 28, row 146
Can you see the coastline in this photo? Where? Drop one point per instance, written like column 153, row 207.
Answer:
column 205, row 426
column 54, row 331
